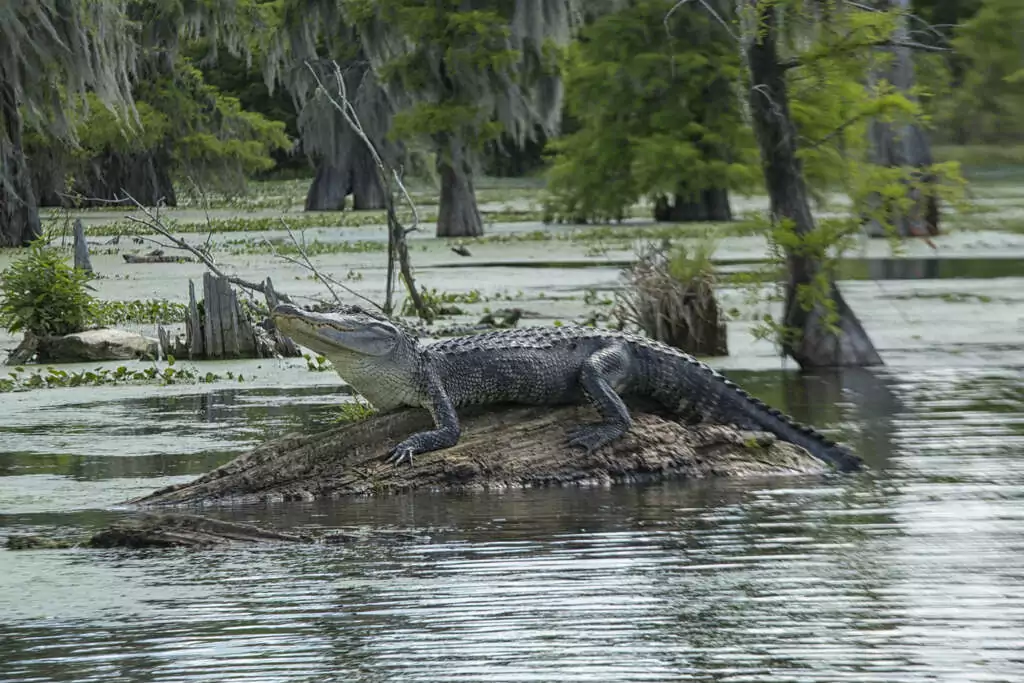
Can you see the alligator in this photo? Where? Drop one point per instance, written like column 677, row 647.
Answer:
column 553, row 365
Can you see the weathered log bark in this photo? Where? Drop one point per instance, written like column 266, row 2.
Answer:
column 708, row 205
column 19, row 212
column 457, row 212
column 814, row 345
column 514, row 447
column 902, row 146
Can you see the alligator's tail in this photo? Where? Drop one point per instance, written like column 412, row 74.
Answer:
column 760, row 415
column 723, row 401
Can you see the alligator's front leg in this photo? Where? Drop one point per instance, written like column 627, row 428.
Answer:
column 445, row 419
column 598, row 377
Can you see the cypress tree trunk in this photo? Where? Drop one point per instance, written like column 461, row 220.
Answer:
column 707, row 205
column 903, row 145
column 19, row 214
column 49, row 169
column 814, row 345
column 144, row 175
column 332, row 183
column 352, row 172
column 367, row 192
column 457, row 213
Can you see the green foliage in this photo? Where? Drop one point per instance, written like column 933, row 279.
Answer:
column 173, row 121
column 42, row 294
column 318, row 363
column 987, row 105
column 657, row 113
column 838, row 88
column 204, row 133
column 354, row 411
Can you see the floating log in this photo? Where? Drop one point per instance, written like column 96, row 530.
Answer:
column 101, row 344
column 155, row 256
column 513, row 447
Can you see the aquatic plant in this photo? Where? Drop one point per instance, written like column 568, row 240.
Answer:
column 21, row 379
column 152, row 311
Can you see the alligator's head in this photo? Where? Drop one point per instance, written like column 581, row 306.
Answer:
column 371, row 353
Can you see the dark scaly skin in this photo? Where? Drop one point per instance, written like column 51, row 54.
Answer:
column 536, row 366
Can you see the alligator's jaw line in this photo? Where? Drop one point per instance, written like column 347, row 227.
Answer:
column 544, row 366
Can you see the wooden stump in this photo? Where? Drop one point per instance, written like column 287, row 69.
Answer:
column 223, row 329
column 82, row 261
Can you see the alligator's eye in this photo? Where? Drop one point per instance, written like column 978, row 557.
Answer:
column 382, row 328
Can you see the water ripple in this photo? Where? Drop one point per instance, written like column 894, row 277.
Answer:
column 908, row 572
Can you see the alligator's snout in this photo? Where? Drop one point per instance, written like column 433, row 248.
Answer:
column 286, row 310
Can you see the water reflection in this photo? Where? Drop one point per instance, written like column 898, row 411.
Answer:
column 908, row 572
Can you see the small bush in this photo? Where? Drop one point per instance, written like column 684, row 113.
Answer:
column 40, row 293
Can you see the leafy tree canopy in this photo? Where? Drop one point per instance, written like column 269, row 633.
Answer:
column 658, row 113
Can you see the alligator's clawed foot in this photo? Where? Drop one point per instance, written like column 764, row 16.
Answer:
column 399, row 454
column 593, row 437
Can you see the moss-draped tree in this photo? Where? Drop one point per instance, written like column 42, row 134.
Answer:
column 318, row 34
column 52, row 51
column 185, row 127
column 462, row 72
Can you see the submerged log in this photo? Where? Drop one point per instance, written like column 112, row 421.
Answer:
column 514, row 447
column 176, row 530
column 155, row 256
column 159, row 531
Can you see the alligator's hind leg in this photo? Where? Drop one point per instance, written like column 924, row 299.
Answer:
column 600, row 374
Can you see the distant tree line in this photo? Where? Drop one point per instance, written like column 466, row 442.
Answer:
column 617, row 100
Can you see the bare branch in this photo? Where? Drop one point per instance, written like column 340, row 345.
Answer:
column 710, row 10
column 397, row 246
column 156, row 225
column 327, row 280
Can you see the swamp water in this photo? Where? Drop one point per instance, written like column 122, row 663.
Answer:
column 908, row 571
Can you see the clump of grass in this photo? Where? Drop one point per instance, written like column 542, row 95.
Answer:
column 669, row 294
column 354, row 411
